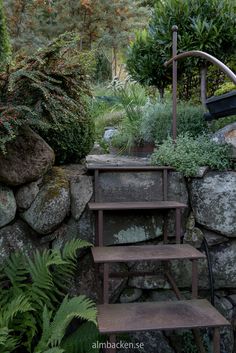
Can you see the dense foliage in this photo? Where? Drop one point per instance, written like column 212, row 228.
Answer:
column 157, row 118
column 147, row 120
column 33, row 23
column 132, row 98
column 107, row 24
column 189, row 153
column 203, row 25
column 225, row 88
column 35, row 311
column 145, row 61
column 49, row 90
column 5, row 48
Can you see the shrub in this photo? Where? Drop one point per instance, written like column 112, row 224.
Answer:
column 103, row 70
column 156, row 122
column 225, row 88
column 153, row 122
column 5, row 47
column 49, row 91
column 189, row 153
column 112, row 119
column 132, row 98
column 222, row 122
column 35, row 311
column 72, row 140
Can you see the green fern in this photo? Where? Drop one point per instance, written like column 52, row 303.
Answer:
column 7, row 343
column 54, row 330
column 69, row 254
column 80, row 342
column 16, row 309
column 29, row 287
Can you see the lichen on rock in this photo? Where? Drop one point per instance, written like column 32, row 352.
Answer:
column 7, row 205
column 213, row 200
column 51, row 205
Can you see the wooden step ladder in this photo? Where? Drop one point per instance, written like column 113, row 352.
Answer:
column 182, row 314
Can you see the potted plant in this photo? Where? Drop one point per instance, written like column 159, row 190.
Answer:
column 129, row 141
column 129, row 138
column 223, row 103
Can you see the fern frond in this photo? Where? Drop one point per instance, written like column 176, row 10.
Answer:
column 40, row 269
column 18, row 305
column 8, row 343
column 71, row 248
column 78, row 307
column 53, row 332
column 82, row 340
column 43, row 343
column 15, row 270
column 69, row 255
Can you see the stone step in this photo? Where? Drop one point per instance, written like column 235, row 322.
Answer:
column 119, row 206
column 145, row 253
column 133, row 317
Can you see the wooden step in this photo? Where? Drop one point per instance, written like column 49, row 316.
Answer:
column 145, row 253
column 118, row 206
column 133, row 168
column 133, row 317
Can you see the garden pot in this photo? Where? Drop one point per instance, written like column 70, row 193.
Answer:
column 143, row 150
column 221, row 106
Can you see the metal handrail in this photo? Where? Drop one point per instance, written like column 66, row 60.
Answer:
column 194, row 53
column 202, row 54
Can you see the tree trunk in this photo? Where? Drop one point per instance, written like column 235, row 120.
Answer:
column 161, row 92
column 203, row 72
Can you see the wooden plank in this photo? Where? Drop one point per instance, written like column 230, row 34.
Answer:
column 146, row 253
column 154, row 205
column 133, row 317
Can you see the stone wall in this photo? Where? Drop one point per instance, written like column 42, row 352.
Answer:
column 48, row 210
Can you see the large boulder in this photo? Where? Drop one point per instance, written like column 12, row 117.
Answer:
column 18, row 237
column 83, row 229
column 213, row 200
column 28, row 157
column 195, row 235
column 7, row 205
column 26, row 194
column 81, row 193
column 51, row 205
column 227, row 135
column 223, row 260
column 226, row 308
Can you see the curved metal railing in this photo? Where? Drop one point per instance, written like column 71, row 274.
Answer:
column 193, row 53
column 208, row 57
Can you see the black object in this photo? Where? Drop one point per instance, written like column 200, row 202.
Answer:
column 210, row 271
column 221, row 106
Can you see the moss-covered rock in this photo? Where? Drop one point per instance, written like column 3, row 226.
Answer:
column 52, row 203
